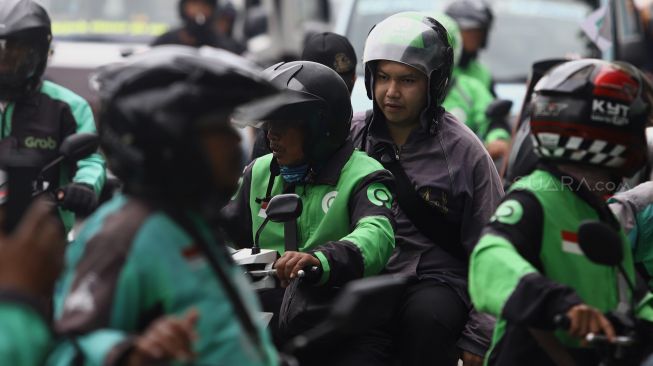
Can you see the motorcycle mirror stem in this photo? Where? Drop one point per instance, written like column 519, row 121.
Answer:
column 256, row 249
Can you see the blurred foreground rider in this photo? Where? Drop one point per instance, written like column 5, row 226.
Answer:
column 152, row 252
column 30, row 262
column 37, row 115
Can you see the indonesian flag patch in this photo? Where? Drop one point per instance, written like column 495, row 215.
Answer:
column 570, row 243
column 261, row 212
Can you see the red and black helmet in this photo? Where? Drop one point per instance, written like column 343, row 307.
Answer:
column 593, row 112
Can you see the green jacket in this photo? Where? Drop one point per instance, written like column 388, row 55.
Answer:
column 41, row 122
column 347, row 220
column 475, row 69
column 528, row 267
column 468, row 100
column 25, row 338
column 132, row 264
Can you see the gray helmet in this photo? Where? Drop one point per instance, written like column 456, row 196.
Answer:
column 471, row 14
column 414, row 39
column 25, row 36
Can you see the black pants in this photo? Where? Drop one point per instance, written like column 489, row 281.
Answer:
column 429, row 322
column 424, row 330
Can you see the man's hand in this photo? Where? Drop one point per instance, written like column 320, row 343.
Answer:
column 78, row 198
column 32, row 258
column 470, row 359
column 585, row 319
column 166, row 339
column 291, row 262
column 498, row 149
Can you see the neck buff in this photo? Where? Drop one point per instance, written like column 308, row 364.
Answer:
column 293, row 174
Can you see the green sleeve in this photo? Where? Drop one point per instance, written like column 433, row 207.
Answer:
column 366, row 249
column 497, row 134
column 90, row 170
column 374, row 236
column 25, row 338
column 494, row 272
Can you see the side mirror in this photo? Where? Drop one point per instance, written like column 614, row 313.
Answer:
column 284, row 208
column 499, row 108
column 78, row 146
column 600, row 243
column 281, row 208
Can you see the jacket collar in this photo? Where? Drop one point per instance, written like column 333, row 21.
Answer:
column 582, row 191
column 330, row 173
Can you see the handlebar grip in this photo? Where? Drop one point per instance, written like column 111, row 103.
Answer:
column 310, row 274
column 59, row 195
column 562, row 321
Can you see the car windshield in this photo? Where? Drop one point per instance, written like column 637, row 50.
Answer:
column 546, row 29
column 111, row 20
column 526, row 31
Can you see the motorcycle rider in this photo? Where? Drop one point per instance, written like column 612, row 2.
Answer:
column 468, row 99
column 335, row 51
column 474, row 17
column 346, row 227
column 198, row 29
column 446, row 182
column 527, row 267
column 36, row 115
column 166, row 134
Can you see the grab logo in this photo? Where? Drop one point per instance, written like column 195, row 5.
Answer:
column 327, row 201
column 32, row 142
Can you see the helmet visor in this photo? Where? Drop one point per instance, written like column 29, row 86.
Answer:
column 289, row 105
column 408, row 40
column 18, row 61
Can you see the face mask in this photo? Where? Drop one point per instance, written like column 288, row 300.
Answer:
column 467, row 57
column 294, row 174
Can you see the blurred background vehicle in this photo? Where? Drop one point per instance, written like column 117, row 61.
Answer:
column 92, row 33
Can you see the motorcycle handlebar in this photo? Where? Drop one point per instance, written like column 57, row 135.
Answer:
column 563, row 322
column 310, row 274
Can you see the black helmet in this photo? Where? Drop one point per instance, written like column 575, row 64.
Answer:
column 414, row 39
column 182, row 15
column 25, row 36
column 315, row 95
column 593, row 112
column 153, row 106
